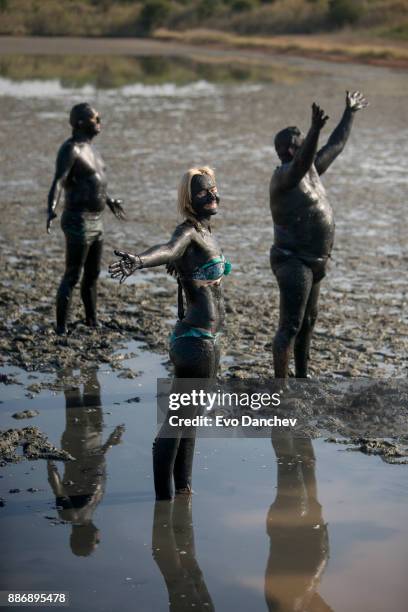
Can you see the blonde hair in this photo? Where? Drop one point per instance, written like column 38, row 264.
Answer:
column 184, row 192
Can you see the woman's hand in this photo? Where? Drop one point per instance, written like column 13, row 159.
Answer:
column 126, row 265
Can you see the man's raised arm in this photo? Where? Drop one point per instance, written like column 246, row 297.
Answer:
column 337, row 141
column 291, row 174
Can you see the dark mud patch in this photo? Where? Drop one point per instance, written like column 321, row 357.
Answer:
column 29, row 443
column 25, row 414
column 350, row 408
column 8, row 380
column 390, row 452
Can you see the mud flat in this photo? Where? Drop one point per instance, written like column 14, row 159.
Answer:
column 218, row 46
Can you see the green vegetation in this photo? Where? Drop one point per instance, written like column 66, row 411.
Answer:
column 343, row 12
column 153, row 14
column 142, row 17
column 327, row 46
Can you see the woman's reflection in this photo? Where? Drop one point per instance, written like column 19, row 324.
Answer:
column 299, row 545
column 81, row 489
column 174, row 552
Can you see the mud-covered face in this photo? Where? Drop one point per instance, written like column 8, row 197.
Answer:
column 90, row 123
column 288, row 142
column 86, row 120
column 204, row 196
column 297, row 141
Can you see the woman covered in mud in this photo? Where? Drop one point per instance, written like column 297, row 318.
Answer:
column 194, row 256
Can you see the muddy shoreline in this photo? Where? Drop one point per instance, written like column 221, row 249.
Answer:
column 171, row 44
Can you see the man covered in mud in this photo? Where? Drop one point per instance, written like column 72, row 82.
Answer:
column 80, row 172
column 303, row 230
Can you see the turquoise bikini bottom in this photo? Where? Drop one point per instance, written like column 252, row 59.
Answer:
column 194, row 332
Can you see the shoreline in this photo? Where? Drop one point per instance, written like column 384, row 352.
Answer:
column 216, row 45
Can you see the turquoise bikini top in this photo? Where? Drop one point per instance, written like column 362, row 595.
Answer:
column 212, row 270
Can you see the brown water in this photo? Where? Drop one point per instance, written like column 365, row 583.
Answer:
column 282, row 524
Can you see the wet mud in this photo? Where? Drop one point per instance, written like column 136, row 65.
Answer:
column 390, row 452
column 25, row 414
column 29, row 443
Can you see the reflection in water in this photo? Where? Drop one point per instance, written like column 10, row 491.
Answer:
column 82, row 487
column 107, row 72
column 299, row 546
column 174, row 552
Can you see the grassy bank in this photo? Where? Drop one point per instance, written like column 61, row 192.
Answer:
column 368, row 31
column 387, row 18
column 344, row 47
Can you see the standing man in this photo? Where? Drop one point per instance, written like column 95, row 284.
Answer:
column 303, row 230
column 80, row 172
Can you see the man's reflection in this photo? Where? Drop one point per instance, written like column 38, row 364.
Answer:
column 174, row 552
column 81, row 489
column 299, row 546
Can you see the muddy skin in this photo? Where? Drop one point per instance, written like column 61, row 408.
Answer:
column 173, row 550
column 191, row 247
column 173, row 447
column 80, row 172
column 299, row 543
column 303, row 230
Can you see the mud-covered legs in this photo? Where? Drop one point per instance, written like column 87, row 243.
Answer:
column 302, row 342
column 173, row 448
column 298, row 308
column 92, row 268
column 80, row 254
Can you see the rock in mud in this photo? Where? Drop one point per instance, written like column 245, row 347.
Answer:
column 33, row 443
column 25, row 414
column 133, row 400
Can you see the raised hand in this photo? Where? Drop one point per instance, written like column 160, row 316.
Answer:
column 355, row 101
column 117, row 208
column 51, row 216
column 318, row 117
column 126, row 265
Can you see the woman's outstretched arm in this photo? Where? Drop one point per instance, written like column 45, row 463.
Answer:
column 154, row 256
